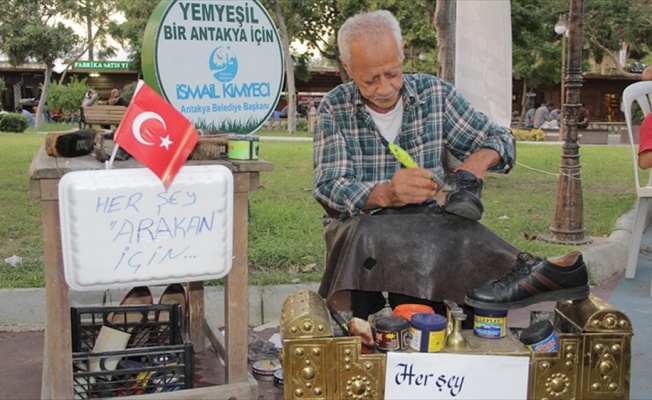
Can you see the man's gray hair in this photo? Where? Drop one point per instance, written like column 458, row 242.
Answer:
column 370, row 24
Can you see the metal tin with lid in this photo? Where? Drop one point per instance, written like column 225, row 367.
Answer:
column 489, row 324
column 428, row 332
column 243, row 147
column 264, row 370
column 540, row 337
column 392, row 333
column 409, row 309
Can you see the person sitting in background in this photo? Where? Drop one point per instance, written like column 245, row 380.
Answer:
column 90, row 99
column 30, row 117
column 645, row 132
column 116, row 100
column 583, row 117
column 528, row 119
column 542, row 114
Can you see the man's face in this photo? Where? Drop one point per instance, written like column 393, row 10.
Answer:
column 377, row 69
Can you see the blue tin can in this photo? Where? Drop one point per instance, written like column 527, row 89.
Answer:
column 428, row 332
column 489, row 324
column 540, row 337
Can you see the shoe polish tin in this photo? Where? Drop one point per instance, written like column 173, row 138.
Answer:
column 540, row 337
column 243, row 147
column 427, row 332
column 392, row 334
column 489, row 324
column 165, row 359
column 264, row 370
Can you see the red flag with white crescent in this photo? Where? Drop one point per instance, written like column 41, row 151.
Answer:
column 156, row 134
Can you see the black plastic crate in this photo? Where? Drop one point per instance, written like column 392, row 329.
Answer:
column 156, row 358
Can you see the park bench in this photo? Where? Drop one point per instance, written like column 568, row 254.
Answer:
column 103, row 115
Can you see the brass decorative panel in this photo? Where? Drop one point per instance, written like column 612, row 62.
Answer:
column 305, row 315
column 593, row 361
column 331, row 368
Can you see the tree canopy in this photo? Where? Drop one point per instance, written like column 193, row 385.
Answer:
column 29, row 31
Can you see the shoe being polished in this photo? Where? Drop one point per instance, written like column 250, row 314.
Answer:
column 463, row 196
column 533, row 280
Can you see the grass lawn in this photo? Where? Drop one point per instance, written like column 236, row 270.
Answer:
column 285, row 232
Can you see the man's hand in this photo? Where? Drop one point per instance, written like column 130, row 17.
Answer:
column 479, row 162
column 408, row 186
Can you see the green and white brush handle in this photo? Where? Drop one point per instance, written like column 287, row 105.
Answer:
column 408, row 162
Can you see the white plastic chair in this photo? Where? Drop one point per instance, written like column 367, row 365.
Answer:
column 640, row 92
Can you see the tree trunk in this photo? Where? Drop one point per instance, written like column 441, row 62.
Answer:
column 89, row 31
column 289, row 70
column 524, row 104
column 445, row 25
column 44, row 95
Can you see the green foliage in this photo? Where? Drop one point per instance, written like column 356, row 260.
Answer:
column 130, row 32
column 128, row 91
column 94, row 14
column 302, row 124
column 28, row 31
column 67, row 97
column 531, row 135
column 608, row 23
column 13, row 122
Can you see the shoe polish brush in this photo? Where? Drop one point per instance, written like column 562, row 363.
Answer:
column 341, row 321
column 70, row 144
column 408, row 162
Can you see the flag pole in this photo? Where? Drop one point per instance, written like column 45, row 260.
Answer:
column 109, row 164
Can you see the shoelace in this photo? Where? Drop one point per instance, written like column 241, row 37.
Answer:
column 461, row 182
column 524, row 263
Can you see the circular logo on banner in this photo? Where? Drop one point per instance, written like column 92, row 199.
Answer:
column 204, row 57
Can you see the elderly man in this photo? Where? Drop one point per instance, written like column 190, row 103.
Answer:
column 387, row 233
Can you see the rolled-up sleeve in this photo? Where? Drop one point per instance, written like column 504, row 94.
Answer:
column 335, row 181
column 470, row 130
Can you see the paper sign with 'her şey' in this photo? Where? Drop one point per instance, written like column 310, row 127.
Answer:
column 455, row 376
column 156, row 134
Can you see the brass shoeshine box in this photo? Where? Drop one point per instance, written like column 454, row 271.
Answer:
column 593, row 361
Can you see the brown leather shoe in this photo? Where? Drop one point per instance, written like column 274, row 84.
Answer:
column 174, row 293
column 137, row 296
column 533, row 280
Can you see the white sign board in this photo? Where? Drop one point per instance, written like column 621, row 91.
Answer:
column 121, row 228
column 455, row 376
column 219, row 62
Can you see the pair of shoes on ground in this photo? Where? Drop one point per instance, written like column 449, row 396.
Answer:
column 142, row 295
column 533, row 280
column 463, row 195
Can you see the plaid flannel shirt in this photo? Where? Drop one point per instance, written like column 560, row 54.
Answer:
column 351, row 157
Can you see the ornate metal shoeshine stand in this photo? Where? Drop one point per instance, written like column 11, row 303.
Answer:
column 593, row 361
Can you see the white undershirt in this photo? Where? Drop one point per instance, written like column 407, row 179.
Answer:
column 389, row 124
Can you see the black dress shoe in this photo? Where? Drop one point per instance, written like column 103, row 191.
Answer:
column 463, row 198
column 533, row 280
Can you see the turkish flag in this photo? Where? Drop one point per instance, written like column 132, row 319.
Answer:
column 156, row 134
